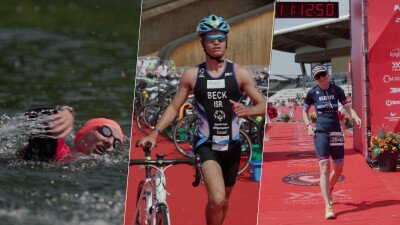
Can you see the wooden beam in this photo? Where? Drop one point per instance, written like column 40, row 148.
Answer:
column 321, row 56
column 164, row 8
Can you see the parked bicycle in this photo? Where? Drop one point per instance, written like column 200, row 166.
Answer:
column 151, row 202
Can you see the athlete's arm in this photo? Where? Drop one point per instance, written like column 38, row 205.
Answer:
column 61, row 124
column 171, row 111
column 352, row 114
column 307, row 121
column 247, row 85
column 305, row 111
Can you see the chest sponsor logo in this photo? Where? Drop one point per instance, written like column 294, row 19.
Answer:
column 214, row 84
column 228, row 74
column 201, row 73
column 396, row 8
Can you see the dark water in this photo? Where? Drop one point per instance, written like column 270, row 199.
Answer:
column 66, row 62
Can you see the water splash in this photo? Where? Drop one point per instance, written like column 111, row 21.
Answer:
column 15, row 131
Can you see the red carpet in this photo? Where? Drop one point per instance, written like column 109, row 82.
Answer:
column 187, row 203
column 364, row 196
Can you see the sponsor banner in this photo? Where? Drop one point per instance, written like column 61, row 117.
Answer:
column 384, row 64
column 294, row 112
column 315, row 198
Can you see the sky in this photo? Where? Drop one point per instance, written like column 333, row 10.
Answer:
column 283, row 63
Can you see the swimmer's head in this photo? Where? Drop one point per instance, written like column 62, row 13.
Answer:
column 98, row 136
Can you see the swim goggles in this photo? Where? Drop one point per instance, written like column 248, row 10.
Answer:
column 107, row 132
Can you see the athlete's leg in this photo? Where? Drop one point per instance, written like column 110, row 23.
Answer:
column 217, row 201
column 228, row 191
column 336, row 172
column 324, row 166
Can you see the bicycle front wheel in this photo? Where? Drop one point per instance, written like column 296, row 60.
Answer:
column 246, row 151
column 162, row 216
column 141, row 215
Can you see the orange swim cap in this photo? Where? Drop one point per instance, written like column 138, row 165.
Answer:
column 89, row 125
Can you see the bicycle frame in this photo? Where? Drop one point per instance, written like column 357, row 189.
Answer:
column 155, row 193
column 152, row 200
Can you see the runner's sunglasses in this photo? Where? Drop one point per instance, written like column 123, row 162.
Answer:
column 211, row 38
column 107, row 132
column 319, row 75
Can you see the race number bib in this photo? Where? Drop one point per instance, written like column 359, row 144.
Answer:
column 220, row 143
column 336, row 138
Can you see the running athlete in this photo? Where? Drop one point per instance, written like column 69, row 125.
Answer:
column 96, row 136
column 218, row 86
column 328, row 139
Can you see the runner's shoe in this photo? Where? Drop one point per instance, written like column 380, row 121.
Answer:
column 329, row 213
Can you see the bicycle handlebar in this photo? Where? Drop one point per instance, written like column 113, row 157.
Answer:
column 195, row 161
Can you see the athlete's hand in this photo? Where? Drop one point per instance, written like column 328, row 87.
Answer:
column 61, row 124
column 240, row 109
column 310, row 130
column 149, row 138
column 358, row 121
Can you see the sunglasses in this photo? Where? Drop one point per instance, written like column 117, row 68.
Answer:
column 211, row 38
column 318, row 76
column 107, row 132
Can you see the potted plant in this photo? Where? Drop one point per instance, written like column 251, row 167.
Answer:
column 285, row 117
column 313, row 117
column 385, row 148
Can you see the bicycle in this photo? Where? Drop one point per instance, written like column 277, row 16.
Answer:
column 151, row 202
column 184, row 140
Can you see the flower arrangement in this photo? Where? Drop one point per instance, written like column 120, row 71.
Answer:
column 384, row 141
column 272, row 112
column 313, row 117
column 285, row 117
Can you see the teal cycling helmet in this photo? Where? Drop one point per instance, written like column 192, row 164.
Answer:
column 212, row 23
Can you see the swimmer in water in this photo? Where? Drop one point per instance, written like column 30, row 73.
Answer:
column 96, row 136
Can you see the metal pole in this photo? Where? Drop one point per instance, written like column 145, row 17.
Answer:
column 366, row 77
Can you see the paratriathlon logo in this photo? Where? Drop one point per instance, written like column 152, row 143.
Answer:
column 395, row 53
column 392, row 117
column 305, row 179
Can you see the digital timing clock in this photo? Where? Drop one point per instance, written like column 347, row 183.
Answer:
column 307, row 10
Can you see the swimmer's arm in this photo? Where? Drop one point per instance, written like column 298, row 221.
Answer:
column 61, row 124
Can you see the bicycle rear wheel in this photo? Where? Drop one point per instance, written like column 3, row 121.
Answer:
column 141, row 207
column 183, row 134
column 162, row 216
column 247, row 151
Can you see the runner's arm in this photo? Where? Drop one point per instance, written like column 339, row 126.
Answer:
column 247, row 85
